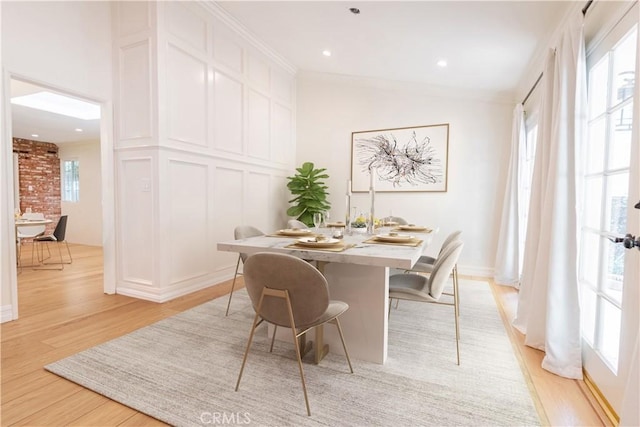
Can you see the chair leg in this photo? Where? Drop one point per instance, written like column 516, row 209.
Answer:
column 246, row 352
column 60, row 253
column 273, row 338
column 69, row 253
column 295, row 344
column 456, row 292
column 456, row 315
column 61, row 263
column 344, row 345
column 233, row 285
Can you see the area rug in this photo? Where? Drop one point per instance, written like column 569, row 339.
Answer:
column 183, row 370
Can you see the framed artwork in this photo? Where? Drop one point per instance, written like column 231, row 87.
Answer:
column 403, row 159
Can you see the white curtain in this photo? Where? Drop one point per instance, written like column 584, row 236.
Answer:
column 630, row 412
column 507, row 265
column 548, row 307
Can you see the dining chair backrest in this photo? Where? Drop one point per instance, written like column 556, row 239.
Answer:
column 294, row 223
column 306, row 286
column 61, row 229
column 398, row 219
column 443, row 267
column 244, row 232
column 450, row 238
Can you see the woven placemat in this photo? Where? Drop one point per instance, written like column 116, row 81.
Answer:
column 414, row 242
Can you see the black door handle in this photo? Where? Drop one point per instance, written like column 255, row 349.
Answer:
column 629, row 241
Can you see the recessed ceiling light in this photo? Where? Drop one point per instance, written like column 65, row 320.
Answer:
column 55, row 103
column 354, row 10
column 442, row 63
column 326, row 52
column 34, row 135
column 78, row 130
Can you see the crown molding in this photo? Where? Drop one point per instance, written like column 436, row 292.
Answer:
column 224, row 16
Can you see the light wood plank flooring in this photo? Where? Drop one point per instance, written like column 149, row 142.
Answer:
column 63, row 312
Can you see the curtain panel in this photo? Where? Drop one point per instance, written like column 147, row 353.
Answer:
column 507, row 265
column 548, row 308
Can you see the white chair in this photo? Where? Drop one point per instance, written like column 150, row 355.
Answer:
column 294, row 223
column 241, row 232
column 416, row 287
column 287, row 291
column 29, row 232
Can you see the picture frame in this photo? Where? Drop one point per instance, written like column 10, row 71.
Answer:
column 409, row 159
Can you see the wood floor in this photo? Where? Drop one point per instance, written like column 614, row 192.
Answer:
column 63, row 312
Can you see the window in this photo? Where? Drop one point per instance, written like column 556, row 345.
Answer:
column 70, row 181
column 527, row 157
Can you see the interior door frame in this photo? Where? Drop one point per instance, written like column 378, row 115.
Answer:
column 107, row 184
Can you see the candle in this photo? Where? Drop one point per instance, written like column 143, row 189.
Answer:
column 348, row 187
column 372, row 195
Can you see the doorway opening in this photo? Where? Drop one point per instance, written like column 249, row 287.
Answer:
column 59, row 141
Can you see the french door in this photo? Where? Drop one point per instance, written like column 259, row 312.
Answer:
column 608, row 272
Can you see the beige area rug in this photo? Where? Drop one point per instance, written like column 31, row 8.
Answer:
column 183, row 370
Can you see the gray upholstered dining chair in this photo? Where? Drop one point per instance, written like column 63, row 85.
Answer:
column 397, row 219
column 294, row 223
column 425, row 263
column 241, row 232
column 416, row 287
column 287, row 291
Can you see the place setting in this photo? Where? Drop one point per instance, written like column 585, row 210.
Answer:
column 394, row 238
column 412, row 227
column 323, row 243
column 294, row 232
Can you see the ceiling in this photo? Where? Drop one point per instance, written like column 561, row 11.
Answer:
column 50, row 127
column 487, row 44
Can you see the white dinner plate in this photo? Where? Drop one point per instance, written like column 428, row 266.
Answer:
column 312, row 243
column 415, row 228
column 389, row 223
column 336, row 224
column 397, row 238
column 295, row 232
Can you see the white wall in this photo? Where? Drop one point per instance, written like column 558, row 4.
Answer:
column 84, row 225
column 330, row 107
column 204, row 142
column 65, row 45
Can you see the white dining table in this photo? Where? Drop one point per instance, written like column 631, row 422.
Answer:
column 358, row 276
column 31, row 222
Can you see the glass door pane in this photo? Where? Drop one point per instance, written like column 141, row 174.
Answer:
column 604, row 203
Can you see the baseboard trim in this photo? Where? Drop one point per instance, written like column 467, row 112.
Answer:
column 6, row 313
column 600, row 399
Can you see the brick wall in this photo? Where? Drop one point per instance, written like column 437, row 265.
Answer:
column 39, row 170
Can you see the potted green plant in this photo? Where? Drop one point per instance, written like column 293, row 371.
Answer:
column 309, row 191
